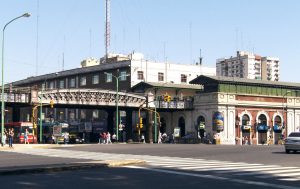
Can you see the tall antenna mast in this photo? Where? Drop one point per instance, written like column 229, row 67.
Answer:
column 37, row 41
column 107, row 27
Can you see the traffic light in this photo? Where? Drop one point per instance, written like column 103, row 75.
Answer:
column 167, row 98
column 51, row 103
column 141, row 122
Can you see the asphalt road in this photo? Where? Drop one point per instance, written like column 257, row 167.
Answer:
column 269, row 155
column 116, row 178
column 146, row 176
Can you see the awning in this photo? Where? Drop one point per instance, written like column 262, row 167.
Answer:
column 262, row 128
column 277, row 128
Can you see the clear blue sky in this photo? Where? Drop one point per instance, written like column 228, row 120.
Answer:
column 219, row 28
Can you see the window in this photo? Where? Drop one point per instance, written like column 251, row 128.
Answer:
column 160, row 76
column 95, row 114
column 140, row 75
column 123, row 76
column 108, row 77
column 51, row 85
column 44, row 86
column 82, row 114
column 95, row 79
column 61, row 84
column 82, row 81
column 72, row 82
column 183, row 78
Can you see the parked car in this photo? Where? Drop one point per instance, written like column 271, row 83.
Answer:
column 292, row 142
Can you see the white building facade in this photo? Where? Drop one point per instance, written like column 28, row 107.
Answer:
column 249, row 66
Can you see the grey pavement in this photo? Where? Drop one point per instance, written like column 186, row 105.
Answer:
column 13, row 163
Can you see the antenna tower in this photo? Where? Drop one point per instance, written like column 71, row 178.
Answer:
column 107, row 27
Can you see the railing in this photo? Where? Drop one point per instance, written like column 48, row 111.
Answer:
column 18, row 98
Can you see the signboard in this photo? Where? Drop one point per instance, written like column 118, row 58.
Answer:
column 202, row 125
column 218, row 121
column 177, row 132
column 57, row 130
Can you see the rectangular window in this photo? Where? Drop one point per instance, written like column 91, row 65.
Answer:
column 51, row 85
column 82, row 114
column 140, row 75
column 123, row 76
column 95, row 114
column 72, row 82
column 183, row 78
column 83, row 81
column 95, row 79
column 108, row 77
column 61, row 84
column 160, row 76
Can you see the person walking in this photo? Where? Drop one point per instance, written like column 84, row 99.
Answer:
column 159, row 138
column 26, row 137
column 108, row 138
column 11, row 137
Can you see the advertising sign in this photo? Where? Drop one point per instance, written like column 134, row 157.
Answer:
column 218, row 121
column 57, row 130
column 177, row 132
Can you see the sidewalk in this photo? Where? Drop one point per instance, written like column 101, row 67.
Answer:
column 48, row 166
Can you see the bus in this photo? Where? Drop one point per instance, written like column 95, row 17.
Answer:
column 19, row 130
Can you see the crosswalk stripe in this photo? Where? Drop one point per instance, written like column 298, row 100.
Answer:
column 186, row 164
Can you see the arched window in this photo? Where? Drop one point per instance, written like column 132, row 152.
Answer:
column 278, row 121
column 245, row 119
column 262, row 119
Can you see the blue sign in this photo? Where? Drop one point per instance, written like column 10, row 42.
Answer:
column 218, row 121
column 262, row 128
column 277, row 128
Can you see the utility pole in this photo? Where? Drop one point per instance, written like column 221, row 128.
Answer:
column 107, row 28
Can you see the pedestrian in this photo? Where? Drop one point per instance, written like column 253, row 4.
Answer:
column 66, row 138
column 114, row 138
column 159, row 138
column 11, row 137
column 143, row 138
column 108, row 138
column 100, row 138
column 26, row 136
column 246, row 140
column 104, row 138
column 4, row 137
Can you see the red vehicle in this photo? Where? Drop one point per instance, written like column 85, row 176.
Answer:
column 19, row 130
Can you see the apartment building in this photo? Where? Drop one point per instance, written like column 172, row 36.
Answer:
column 249, row 66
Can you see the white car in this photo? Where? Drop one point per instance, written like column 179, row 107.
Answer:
column 292, row 142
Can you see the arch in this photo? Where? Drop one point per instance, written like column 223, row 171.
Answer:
column 245, row 119
column 277, row 115
column 262, row 119
column 245, row 113
column 181, row 125
column 262, row 113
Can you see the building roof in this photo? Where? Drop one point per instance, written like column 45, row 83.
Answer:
column 72, row 72
column 166, row 85
column 220, row 79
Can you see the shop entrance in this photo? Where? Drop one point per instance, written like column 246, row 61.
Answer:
column 262, row 129
column 246, row 129
column 181, row 124
column 277, row 129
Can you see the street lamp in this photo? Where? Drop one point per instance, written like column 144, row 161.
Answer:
column 2, row 89
column 283, row 106
column 117, row 100
column 41, row 111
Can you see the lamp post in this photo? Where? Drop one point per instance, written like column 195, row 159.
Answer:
column 283, row 106
column 2, row 83
column 41, row 111
column 117, row 100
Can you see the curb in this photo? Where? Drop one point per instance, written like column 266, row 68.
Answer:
column 66, row 167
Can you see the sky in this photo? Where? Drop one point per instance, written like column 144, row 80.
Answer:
column 61, row 33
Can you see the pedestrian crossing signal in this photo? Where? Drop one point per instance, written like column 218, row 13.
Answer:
column 167, row 98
